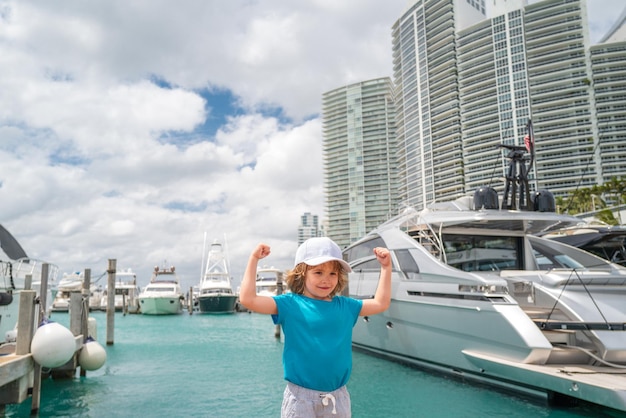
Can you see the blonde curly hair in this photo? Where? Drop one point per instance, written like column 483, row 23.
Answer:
column 296, row 283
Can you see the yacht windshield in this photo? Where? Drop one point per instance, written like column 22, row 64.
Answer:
column 482, row 253
column 550, row 254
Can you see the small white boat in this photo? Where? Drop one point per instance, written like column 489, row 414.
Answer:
column 215, row 290
column 268, row 280
column 15, row 266
column 163, row 295
column 95, row 297
column 72, row 282
column 126, row 293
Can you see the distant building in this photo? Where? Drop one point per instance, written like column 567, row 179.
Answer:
column 466, row 84
column 309, row 227
column 427, row 98
column 359, row 158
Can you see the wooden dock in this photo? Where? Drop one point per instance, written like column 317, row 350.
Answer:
column 20, row 375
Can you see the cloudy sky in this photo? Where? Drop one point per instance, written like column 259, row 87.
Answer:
column 130, row 130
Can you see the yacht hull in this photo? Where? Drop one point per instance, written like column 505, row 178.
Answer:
column 217, row 303
column 160, row 306
column 530, row 315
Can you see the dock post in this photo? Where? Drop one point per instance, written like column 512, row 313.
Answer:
column 15, row 391
column 279, row 291
column 190, row 301
column 25, row 322
column 68, row 370
column 87, row 287
column 84, row 325
column 111, row 301
column 43, row 290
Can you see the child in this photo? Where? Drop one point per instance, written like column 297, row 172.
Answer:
column 317, row 323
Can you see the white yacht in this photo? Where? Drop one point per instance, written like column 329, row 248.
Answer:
column 163, row 295
column 215, row 291
column 478, row 293
column 72, row 282
column 268, row 279
column 126, row 293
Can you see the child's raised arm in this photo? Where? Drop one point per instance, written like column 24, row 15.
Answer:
column 382, row 298
column 247, row 293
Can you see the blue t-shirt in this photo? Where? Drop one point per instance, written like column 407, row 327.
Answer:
column 318, row 339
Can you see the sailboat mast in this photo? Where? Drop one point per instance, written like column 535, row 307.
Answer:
column 203, row 257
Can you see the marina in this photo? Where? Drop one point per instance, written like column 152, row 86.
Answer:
column 182, row 365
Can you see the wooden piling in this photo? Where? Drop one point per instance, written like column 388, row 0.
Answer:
column 190, row 301
column 68, row 370
column 279, row 291
column 111, row 301
column 43, row 291
column 85, row 307
column 87, row 288
column 16, row 374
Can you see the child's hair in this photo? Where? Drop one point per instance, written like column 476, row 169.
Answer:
column 295, row 278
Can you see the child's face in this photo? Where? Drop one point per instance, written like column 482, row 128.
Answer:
column 320, row 281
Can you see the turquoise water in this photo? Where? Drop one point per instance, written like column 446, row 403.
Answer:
column 230, row 366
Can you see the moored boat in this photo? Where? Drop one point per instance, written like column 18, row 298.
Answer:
column 72, row 282
column 215, row 292
column 163, row 295
column 15, row 267
column 477, row 293
column 268, row 279
column 126, row 293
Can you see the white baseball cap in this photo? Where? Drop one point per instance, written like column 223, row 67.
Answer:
column 316, row 251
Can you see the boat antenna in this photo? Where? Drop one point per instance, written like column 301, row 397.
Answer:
column 227, row 256
column 204, row 254
column 516, row 177
column 529, row 142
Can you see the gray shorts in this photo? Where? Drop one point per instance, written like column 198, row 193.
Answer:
column 299, row 402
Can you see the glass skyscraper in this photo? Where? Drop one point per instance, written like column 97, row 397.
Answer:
column 359, row 161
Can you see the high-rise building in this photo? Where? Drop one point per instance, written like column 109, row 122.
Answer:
column 359, row 161
column 466, row 84
column 427, row 99
column 608, row 65
column 309, row 227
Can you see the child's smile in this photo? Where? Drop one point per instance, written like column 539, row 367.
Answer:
column 320, row 281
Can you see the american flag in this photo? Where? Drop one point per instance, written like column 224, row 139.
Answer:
column 529, row 139
column 529, row 142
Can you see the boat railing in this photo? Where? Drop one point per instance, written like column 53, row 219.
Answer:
column 428, row 239
column 14, row 272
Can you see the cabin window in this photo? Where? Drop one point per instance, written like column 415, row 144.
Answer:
column 483, row 253
column 367, row 265
column 407, row 263
column 362, row 250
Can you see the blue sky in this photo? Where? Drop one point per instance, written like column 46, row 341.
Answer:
column 129, row 129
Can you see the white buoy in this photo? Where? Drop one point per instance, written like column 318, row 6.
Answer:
column 11, row 336
column 53, row 345
column 92, row 356
column 92, row 328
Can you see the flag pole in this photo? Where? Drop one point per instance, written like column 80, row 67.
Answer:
column 529, row 141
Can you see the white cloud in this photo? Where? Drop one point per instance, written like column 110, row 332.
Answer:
column 98, row 105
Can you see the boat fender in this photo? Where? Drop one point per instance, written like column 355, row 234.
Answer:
column 53, row 345
column 5, row 298
column 92, row 328
column 92, row 356
column 11, row 336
